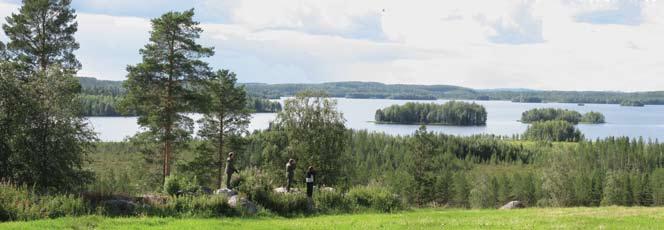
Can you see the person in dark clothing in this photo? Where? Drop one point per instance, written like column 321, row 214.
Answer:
column 230, row 169
column 290, row 171
column 310, row 181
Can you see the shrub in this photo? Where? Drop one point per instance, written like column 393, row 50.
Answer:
column 192, row 206
column 172, row 185
column 284, row 204
column 332, row 202
column 19, row 203
column 253, row 183
column 374, row 197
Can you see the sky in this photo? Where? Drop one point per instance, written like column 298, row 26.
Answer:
column 613, row 45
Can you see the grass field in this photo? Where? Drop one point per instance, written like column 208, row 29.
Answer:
column 550, row 218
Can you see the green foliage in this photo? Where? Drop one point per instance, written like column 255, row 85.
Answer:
column 550, row 114
column 200, row 206
column 262, row 105
column 173, row 185
column 164, row 84
column 45, row 141
column 556, row 130
column 527, row 99
column 224, row 117
column 332, row 202
column 632, row 103
column 43, row 138
column 593, row 118
column 315, row 136
column 450, row 113
column 19, row 203
column 374, row 198
column 41, row 35
column 484, row 193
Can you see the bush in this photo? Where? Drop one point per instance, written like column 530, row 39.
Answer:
column 332, row 202
column 203, row 206
column 172, row 185
column 375, row 198
column 19, row 203
column 284, row 204
column 252, row 183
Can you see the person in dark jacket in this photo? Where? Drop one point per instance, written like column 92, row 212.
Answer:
column 230, row 168
column 290, row 174
column 310, row 181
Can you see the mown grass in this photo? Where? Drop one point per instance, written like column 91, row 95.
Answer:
column 548, row 218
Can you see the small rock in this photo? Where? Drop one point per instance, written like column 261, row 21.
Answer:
column 225, row 191
column 247, row 206
column 513, row 205
column 327, row 189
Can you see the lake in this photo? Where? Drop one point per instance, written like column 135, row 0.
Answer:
column 647, row 122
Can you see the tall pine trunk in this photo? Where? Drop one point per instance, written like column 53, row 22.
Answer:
column 220, row 150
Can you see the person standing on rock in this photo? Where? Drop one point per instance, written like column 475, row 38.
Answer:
column 310, row 181
column 230, row 169
column 290, row 173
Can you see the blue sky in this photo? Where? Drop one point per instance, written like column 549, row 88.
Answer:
column 542, row 44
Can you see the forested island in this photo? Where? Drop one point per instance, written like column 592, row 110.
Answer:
column 451, row 113
column 631, row 103
column 550, row 114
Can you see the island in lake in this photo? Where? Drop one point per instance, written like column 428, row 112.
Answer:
column 571, row 116
column 451, row 113
column 632, row 103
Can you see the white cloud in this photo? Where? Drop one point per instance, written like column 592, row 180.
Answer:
column 476, row 43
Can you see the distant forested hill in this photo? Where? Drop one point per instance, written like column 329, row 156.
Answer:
column 97, row 92
column 364, row 90
column 101, row 98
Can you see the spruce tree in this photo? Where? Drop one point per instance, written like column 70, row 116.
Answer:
column 164, row 84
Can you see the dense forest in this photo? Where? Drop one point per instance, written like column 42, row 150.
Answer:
column 102, row 98
column 550, row 114
column 450, row 113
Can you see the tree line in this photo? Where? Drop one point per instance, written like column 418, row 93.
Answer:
column 450, row 113
column 103, row 97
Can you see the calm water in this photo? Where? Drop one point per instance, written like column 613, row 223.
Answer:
column 647, row 122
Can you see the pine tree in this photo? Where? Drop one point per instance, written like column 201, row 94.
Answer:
column 164, row 84
column 41, row 35
column 225, row 115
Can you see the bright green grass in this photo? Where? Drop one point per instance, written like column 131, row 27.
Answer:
column 566, row 218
